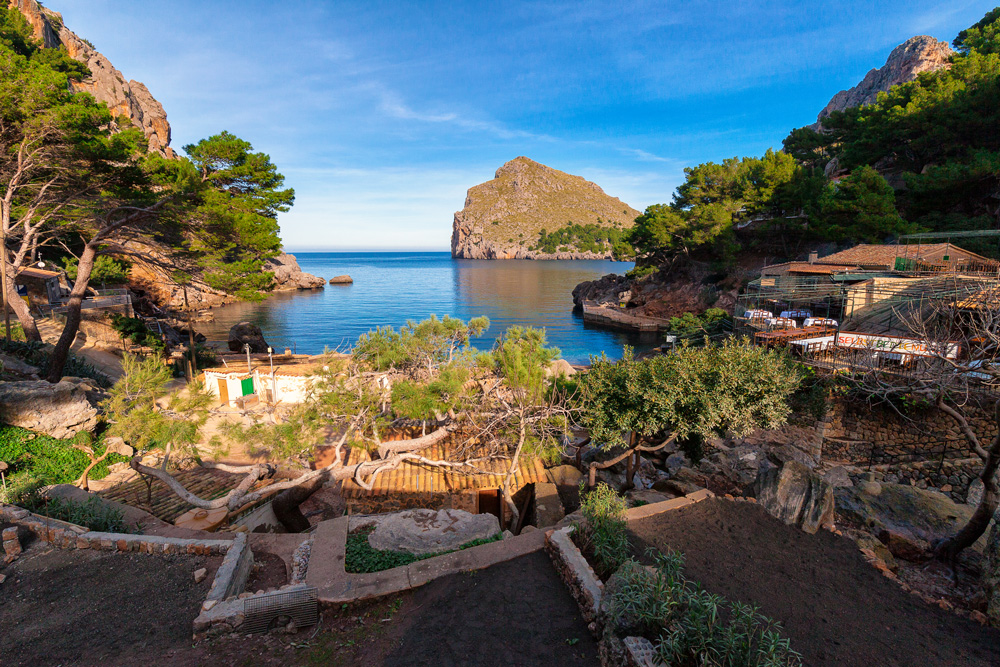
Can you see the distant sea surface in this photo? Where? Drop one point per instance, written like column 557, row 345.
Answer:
column 393, row 287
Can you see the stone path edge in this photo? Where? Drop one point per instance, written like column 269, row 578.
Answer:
column 336, row 586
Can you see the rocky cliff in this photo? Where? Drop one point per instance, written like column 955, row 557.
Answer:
column 106, row 84
column 915, row 55
column 502, row 218
column 152, row 271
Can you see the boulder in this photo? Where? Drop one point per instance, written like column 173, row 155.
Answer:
column 560, row 368
column 565, row 475
column 424, row 531
column 245, row 333
column 342, row 280
column 289, row 276
column 15, row 365
column 796, row 495
column 905, row 518
column 58, row 410
column 785, row 453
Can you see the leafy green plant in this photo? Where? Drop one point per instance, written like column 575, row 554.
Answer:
column 606, row 532
column 38, row 460
column 106, row 269
column 135, row 329
column 361, row 557
column 691, row 627
column 91, row 513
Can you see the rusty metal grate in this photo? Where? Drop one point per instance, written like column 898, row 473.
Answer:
column 262, row 611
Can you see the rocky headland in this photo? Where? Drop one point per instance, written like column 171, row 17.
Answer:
column 915, row 55
column 502, row 218
column 124, row 97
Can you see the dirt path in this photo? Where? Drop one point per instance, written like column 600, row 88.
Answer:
column 90, row 608
column 836, row 609
column 514, row 613
column 93, row 609
column 106, row 362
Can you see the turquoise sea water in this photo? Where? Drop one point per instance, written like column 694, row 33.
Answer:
column 391, row 288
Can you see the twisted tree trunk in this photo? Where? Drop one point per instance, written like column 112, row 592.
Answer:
column 61, row 353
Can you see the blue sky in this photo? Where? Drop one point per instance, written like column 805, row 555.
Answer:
column 382, row 114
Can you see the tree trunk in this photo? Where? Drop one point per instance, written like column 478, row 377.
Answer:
column 22, row 311
column 59, row 356
column 286, row 504
column 949, row 549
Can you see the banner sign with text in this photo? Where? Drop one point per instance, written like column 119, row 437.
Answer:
column 896, row 345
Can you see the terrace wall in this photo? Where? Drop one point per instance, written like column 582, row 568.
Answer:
column 923, row 447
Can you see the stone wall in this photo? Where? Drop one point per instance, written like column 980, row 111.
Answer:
column 923, row 446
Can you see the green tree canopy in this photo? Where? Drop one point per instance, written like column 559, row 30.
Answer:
column 862, row 208
column 695, row 391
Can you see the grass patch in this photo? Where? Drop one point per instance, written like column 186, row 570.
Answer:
column 361, row 557
column 91, row 513
column 38, row 460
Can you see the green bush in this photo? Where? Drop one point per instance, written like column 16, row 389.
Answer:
column 606, row 532
column 640, row 272
column 691, row 627
column 135, row 329
column 585, row 238
column 91, row 513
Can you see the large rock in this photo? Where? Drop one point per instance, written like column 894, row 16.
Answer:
column 245, row 333
column 288, row 275
column 15, row 365
column 915, row 55
column 502, row 218
column 560, row 368
column 59, row 410
column 905, row 518
column 796, row 495
column 424, row 531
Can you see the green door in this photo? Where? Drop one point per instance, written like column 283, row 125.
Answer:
column 247, row 386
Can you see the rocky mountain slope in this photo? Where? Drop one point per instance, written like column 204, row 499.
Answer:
column 915, row 55
column 502, row 218
column 106, row 84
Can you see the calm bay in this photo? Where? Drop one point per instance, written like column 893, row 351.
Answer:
column 393, row 287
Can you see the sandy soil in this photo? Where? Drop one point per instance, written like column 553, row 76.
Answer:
column 93, row 608
column 836, row 609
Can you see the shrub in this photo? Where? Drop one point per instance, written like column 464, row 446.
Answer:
column 606, row 533
column 691, row 627
column 91, row 513
column 135, row 329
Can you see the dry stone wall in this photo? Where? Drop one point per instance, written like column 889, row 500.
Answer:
column 924, row 447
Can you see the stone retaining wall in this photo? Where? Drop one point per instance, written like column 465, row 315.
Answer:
column 924, row 447
column 65, row 535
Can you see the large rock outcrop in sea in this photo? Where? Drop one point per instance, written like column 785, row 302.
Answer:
column 124, row 97
column 915, row 55
column 502, row 218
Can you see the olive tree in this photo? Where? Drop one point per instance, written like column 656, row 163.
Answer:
column 633, row 406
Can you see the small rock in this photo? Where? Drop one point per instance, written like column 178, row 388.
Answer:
column 199, row 575
column 341, row 280
column 870, row 487
column 975, row 493
column 3, row 578
column 507, row 534
column 904, row 546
